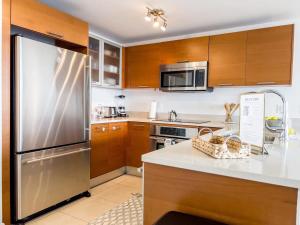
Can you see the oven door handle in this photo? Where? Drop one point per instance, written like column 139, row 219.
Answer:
column 157, row 138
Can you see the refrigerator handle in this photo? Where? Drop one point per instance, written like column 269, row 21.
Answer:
column 56, row 156
column 87, row 97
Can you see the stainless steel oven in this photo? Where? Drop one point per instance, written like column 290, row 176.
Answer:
column 163, row 135
column 189, row 76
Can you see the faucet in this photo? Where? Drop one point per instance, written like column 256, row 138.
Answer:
column 283, row 130
column 172, row 115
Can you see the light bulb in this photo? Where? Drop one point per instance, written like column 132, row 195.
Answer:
column 148, row 18
column 155, row 22
column 164, row 27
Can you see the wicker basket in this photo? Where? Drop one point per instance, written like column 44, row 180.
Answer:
column 222, row 148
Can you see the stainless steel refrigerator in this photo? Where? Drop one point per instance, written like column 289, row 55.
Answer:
column 50, row 125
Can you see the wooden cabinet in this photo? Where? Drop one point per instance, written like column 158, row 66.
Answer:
column 227, row 59
column 269, row 56
column 256, row 57
column 143, row 62
column 142, row 66
column 100, row 150
column 108, row 148
column 138, row 143
column 37, row 16
column 117, row 147
column 105, row 63
column 192, row 49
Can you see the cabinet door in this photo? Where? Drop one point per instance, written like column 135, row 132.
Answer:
column 138, row 143
column 117, row 150
column 94, row 53
column 227, row 59
column 192, row 49
column 111, row 65
column 269, row 56
column 36, row 16
column 100, row 150
column 142, row 66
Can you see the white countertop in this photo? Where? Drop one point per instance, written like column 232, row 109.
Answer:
column 145, row 120
column 280, row 167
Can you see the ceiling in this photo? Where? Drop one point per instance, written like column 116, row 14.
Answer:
column 123, row 20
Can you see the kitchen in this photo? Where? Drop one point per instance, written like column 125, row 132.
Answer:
column 128, row 94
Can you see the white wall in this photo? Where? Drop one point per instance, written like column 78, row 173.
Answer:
column 212, row 103
column 104, row 96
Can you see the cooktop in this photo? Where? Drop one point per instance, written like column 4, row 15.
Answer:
column 184, row 121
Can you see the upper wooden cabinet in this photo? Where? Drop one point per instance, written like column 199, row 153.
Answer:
column 193, row 50
column 143, row 62
column 142, row 66
column 269, row 56
column 36, row 16
column 227, row 59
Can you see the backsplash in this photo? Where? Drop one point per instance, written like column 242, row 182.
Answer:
column 104, row 96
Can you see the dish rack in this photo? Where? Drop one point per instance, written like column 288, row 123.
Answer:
column 220, row 147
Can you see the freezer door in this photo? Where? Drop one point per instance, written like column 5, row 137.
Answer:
column 51, row 89
column 47, row 177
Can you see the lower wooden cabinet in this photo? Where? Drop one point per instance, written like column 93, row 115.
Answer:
column 100, row 147
column 108, row 148
column 138, row 143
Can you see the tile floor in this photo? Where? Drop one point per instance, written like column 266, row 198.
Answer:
column 104, row 197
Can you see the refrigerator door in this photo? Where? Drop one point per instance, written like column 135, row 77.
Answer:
column 45, row 178
column 51, row 89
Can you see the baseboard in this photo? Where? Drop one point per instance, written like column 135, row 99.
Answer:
column 133, row 171
column 106, row 177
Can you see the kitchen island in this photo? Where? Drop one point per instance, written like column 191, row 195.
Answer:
column 263, row 189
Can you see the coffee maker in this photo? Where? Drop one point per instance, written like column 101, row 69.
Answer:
column 121, row 106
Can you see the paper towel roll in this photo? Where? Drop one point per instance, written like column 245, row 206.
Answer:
column 153, row 108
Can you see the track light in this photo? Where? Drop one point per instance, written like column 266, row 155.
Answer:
column 158, row 16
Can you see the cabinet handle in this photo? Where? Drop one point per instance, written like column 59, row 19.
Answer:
column 143, row 86
column 103, row 129
column 138, row 125
column 266, row 83
column 225, row 84
column 55, row 35
column 115, row 128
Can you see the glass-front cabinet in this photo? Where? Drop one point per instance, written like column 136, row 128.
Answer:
column 105, row 63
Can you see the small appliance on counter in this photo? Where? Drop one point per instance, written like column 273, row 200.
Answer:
column 121, row 106
column 109, row 112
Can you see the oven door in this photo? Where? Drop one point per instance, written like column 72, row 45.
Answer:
column 162, row 142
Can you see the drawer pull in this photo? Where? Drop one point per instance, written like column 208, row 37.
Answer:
column 103, row 129
column 143, row 86
column 138, row 125
column 266, row 83
column 223, row 85
column 115, row 128
column 56, row 156
column 55, row 35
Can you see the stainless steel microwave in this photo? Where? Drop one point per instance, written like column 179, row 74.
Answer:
column 187, row 76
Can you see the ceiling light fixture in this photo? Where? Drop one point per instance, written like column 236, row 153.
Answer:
column 157, row 15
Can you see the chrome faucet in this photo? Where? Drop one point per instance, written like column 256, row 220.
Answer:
column 283, row 130
column 172, row 115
